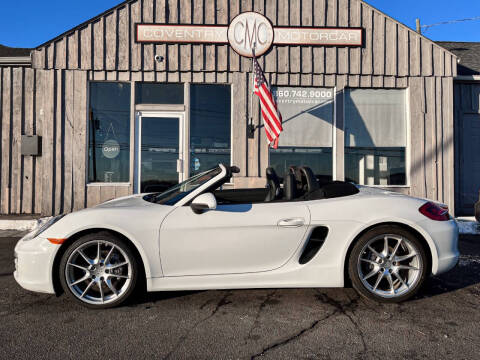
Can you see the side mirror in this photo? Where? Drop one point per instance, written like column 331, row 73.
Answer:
column 203, row 202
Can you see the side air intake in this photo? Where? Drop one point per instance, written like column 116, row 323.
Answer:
column 314, row 244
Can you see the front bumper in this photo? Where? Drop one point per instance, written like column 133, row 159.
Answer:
column 33, row 264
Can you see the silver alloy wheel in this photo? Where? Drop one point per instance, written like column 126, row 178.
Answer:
column 389, row 265
column 98, row 272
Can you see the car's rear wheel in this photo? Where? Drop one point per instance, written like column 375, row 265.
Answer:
column 99, row 270
column 388, row 264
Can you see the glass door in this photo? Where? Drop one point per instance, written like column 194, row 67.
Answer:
column 160, row 151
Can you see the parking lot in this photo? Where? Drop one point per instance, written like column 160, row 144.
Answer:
column 443, row 321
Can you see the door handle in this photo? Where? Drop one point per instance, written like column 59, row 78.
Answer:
column 293, row 222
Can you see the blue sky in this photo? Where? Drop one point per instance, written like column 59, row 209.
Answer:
column 28, row 23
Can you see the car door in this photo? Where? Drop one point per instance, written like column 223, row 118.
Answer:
column 240, row 238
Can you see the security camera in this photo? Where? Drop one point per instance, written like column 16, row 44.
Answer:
column 158, row 58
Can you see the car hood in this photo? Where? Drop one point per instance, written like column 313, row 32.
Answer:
column 126, row 201
column 121, row 215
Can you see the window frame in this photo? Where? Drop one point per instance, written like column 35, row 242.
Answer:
column 408, row 146
column 187, row 132
column 146, row 104
column 162, row 108
column 334, row 124
column 89, row 183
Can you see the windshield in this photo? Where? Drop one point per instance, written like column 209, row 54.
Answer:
column 178, row 192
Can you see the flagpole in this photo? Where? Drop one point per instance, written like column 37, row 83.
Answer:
column 252, row 126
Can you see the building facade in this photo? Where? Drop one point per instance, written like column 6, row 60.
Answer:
column 466, row 87
column 99, row 115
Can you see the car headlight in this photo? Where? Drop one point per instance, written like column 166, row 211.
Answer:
column 42, row 225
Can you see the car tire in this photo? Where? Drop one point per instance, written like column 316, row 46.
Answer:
column 378, row 275
column 99, row 270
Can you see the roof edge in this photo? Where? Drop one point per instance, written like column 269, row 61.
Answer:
column 84, row 24
column 126, row 2
column 406, row 26
column 15, row 61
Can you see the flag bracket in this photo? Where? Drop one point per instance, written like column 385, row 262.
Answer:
column 251, row 130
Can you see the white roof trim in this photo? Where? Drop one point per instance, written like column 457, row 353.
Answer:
column 467, row 77
column 16, row 60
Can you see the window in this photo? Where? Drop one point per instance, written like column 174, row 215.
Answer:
column 307, row 135
column 159, row 93
column 109, row 132
column 210, row 121
column 375, row 136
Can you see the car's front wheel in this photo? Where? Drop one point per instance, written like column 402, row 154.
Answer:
column 99, row 270
column 388, row 264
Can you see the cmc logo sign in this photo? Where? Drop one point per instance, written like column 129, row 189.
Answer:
column 249, row 31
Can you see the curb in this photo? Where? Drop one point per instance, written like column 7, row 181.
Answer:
column 20, row 225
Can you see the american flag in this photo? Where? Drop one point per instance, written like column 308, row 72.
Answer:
column 272, row 119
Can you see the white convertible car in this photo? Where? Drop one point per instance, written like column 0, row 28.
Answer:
column 196, row 236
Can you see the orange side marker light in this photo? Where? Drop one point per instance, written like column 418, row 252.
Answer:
column 57, row 241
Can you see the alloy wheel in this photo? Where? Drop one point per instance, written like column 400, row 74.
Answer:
column 98, row 272
column 389, row 265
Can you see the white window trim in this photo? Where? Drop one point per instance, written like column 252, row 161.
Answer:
column 408, row 145
column 87, row 134
column 138, row 132
column 161, row 109
column 187, row 174
column 334, row 133
column 93, row 184
column 334, row 126
column 231, row 181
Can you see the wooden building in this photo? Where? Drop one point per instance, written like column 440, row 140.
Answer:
column 118, row 117
column 466, row 91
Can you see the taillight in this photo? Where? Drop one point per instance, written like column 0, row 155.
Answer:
column 434, row 211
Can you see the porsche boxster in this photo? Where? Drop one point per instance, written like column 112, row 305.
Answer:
column 202, row 234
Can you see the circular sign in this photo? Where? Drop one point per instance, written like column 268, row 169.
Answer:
column 196, row 164
column 111, row 149
column 250, row 31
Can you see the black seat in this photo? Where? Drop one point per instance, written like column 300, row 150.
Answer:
column 299, row 180
column 273, row 185
column 311, row 180
column 289, row 187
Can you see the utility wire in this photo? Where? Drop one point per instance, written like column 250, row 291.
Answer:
column 426, row 27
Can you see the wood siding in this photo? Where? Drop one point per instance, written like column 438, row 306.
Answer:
column 55, row 107
column 51, row 100
column 108, row 42
column 52, row 104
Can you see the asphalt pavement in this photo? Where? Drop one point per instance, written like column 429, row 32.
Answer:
column 442, row 322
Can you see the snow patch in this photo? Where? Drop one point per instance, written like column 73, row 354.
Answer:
column 468, row 225
column 468, row 260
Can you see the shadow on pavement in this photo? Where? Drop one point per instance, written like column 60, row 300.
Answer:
column 465, row 274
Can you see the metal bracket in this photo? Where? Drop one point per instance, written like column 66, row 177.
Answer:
column 251, row 130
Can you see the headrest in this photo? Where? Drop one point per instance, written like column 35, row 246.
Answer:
column 272, row 176
column 273, row 184
column 289, row 186
column 298, row 177
column 312, row 183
